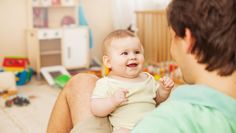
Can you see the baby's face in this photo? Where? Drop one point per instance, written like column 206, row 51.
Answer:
column 126, row 57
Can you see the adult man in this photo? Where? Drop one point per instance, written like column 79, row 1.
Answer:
column 203, row 45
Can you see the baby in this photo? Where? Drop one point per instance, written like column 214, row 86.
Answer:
column 127, row 93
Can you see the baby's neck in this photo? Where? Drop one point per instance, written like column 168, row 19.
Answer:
column 138, row 78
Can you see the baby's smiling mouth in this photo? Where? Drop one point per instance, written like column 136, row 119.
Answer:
column 132, row 65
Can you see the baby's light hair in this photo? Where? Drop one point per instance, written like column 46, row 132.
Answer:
column 117, row 34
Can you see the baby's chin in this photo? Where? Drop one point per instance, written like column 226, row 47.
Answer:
column 132, row 75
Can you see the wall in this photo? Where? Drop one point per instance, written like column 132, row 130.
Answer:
column 99, row 16
column 13, row 14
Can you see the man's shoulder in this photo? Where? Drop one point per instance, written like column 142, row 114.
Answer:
column 177, row 117
column 174, row 109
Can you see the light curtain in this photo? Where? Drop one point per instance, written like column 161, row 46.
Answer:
column 124, row 10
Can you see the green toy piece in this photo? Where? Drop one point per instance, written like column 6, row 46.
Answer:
column 61, row 80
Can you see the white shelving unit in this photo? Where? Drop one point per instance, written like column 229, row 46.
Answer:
column 75, row 48
column 53, row 35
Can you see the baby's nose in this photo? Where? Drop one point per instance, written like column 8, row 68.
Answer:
column 132, row 56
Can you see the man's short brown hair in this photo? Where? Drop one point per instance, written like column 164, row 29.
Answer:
column 213, row 25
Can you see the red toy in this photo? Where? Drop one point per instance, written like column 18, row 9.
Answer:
column 15, row 63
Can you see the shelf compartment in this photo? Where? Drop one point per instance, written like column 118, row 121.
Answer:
column 51, row 60
column 50, row 52
column 50, row 46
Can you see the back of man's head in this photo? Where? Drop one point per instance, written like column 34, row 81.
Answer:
column 213, row 25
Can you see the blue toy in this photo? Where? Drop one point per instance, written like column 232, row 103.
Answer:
column 24, row 76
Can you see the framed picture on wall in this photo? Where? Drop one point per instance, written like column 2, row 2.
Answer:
column 40, row 17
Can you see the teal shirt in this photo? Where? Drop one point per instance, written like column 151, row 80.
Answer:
column 192, row 109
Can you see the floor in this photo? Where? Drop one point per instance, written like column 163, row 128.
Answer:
column 34, row 117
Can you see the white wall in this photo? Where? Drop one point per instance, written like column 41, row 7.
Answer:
column 161, row 4
column 13, row 21
column 99, row 17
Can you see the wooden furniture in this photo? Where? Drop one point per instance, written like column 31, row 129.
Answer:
column 154, row 34
column 53, row 35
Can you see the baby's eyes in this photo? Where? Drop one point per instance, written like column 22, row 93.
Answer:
column 124, row 53
column 137, row 52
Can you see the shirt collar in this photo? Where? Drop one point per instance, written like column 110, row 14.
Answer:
column 206, row 96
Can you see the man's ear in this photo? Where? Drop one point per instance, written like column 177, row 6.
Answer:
column 106, row 61
column 189, row 39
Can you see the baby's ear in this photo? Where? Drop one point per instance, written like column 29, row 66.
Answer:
column 106, row 61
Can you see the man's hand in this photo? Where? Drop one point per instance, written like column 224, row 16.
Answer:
column 119, row 97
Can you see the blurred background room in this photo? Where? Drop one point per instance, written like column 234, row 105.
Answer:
column 43, row 43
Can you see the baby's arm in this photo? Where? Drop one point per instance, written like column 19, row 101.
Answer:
column 103, row 106
column 166, row 85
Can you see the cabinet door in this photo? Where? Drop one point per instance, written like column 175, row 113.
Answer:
column 75, row 45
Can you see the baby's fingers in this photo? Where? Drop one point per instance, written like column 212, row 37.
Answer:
column 164, row 80
column 169, row 83
column 125, row 91
column 125, row 99
column 161, row 80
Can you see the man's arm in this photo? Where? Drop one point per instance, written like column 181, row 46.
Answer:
column 67, row 110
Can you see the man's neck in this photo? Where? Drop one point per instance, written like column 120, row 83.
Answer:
column 224, row 84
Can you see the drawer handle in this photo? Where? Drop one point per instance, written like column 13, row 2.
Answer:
column 68, row 52
column 45, row 34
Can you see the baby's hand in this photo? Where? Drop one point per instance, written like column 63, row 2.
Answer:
column 119, row 96
column 167, row 83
